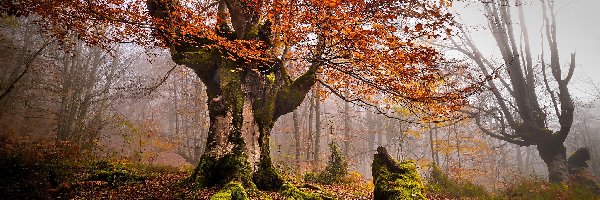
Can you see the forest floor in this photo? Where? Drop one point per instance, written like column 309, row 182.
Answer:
column 34, row 172
column 132, row 181
column 139, row 181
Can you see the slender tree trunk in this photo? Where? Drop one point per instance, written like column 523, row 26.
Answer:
column 519, row 160
column 296, row 135
column 432, row 147
column 380, row 139
column 528, row 162
column 436, row 152
column 401, row 136
column 347, row 140
column 317, row 144
column 176, row 107
column 311, row 109
column 447, row 154
column 371, row 130
column 457, row 138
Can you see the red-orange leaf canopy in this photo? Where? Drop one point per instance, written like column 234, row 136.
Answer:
column 366, row 48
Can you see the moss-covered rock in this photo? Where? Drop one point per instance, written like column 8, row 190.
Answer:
column 578, row 161
column 232, row 191
column 395, row 180
column 113, row 173
column 311, row 177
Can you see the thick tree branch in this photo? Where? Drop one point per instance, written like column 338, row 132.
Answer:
column 243, row 17
column 571, row 69
column 479, row 59
column 290, row 97
column 503, row 136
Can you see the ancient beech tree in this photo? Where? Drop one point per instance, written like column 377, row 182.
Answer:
column 242, row 51
column 518, row 114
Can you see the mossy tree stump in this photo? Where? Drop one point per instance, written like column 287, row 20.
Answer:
column 395, row 180
column 578, row 170
column 578, row 161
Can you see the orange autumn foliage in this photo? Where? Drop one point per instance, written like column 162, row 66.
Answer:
column 371, row 50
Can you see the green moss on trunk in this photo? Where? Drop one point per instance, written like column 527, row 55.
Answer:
column 228, row 168
column 232, row 191
column 395, row 180
column 266, row 177
column 233, row 165
column 229, row 86
column 577, row 162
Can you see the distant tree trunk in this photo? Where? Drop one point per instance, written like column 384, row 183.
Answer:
column 401, row 136
column 26, row 66
column 371, row 130
column 296, row 135
column 175, row 107
column 347, row 139
column 457, row 140
column 311, row 109
column 379, row 133
column 528, row 162
column 317, row 144
column 519, row 160
column 432, row 147
column 104, row 103
column 447, row 154
column 184, row 105
column 79, row 74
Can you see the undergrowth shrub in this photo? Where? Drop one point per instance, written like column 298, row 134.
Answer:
column 30, row 164
column 439, row 183
column 538, row 188
column 336, row 170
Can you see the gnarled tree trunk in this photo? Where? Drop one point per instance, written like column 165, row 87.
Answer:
column 554, row 155
column 245, row 97
column 243, row 106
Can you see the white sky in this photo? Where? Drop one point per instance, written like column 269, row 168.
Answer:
column 578, row 30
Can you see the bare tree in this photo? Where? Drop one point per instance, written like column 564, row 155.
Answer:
column 23, row 44
column 517, row 116
column 84, row 90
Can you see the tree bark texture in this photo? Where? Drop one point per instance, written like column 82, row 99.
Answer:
column 243, row 101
